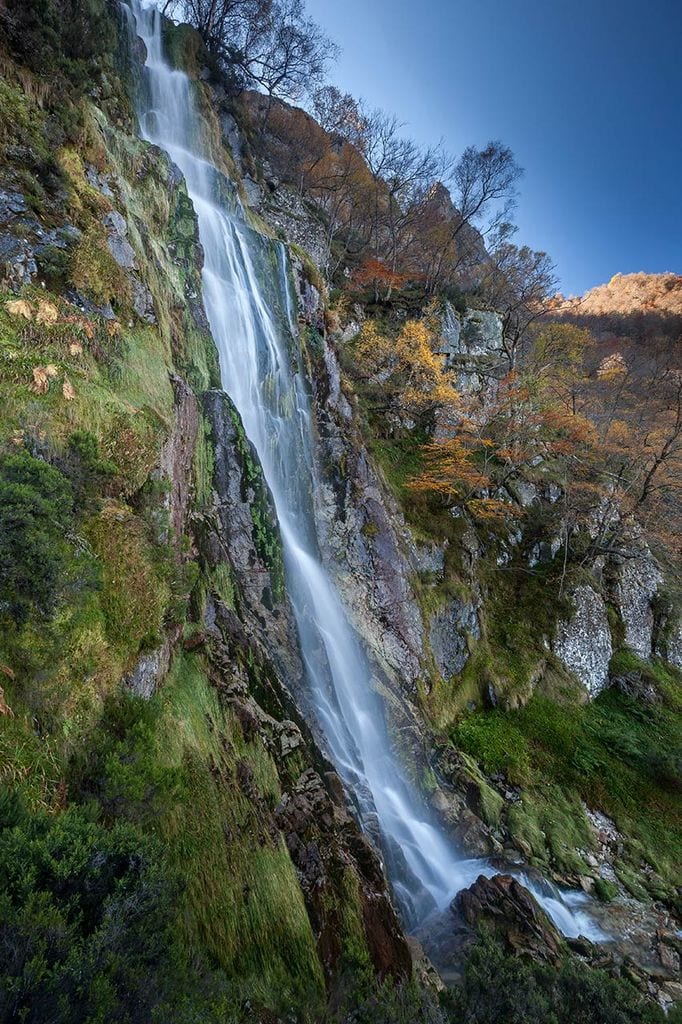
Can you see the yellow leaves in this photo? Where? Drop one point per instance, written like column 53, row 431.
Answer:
column 42, row 377
column 19, row 308
column 47, row 313
column 41, row 383
column 449, row 469
column 75, row 348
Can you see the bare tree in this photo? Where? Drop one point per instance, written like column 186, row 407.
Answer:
column 484, row 192
column 518, row 282
column 267, row 44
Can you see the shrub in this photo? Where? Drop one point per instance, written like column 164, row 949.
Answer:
column 36, row 512
column 498, row 987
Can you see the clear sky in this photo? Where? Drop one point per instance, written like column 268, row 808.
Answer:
column 587, row 93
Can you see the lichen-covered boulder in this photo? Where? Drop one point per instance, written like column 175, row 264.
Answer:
column 583, row 642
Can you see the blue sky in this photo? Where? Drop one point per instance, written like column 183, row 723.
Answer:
column 587, row 93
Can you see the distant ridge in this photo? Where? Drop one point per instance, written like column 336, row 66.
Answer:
column 630, row 293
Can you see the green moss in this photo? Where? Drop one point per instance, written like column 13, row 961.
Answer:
column 614, row 754
column 497, row 743
column 135, row 593
column 604, row 890
column 242, row 900
column 265, row 532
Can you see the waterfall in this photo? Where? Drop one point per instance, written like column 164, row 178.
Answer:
column 250, row 310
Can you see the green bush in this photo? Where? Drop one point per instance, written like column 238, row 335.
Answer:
column 85, row 466
column 36, row 512
column 496, row 742
column 88, row 928
column 503, row 989
column 70, row 36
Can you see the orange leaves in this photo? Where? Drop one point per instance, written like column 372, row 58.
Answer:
column 373, row 272
column 44, row 375
column 47, row 313
column 449, row 470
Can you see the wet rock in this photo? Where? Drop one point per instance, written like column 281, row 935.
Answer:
column 242, row 530
column 504, row 905
column 290, row 738
column 231, row 135
column 99, row 180
column 325, row 844
column 670, row 959
column 430, row 558
column 288, row 211
column 143, row 302
column 18, row 266
column 310, row 307
column 12, row 205
column 583, row 642
column 177, row 455
column 544, row 551
column 669, row 644
column 635, row 685
column 254, row 196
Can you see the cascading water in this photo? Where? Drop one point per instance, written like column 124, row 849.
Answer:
column 252, row 323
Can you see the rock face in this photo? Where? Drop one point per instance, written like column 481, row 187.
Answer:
column 329, row 852
column 638, row 581
column 669, row 644
column 583, row 642
column 317, row 827
column 148, row 674
column 178, row 454
column 504, row 905
column 241, row 530
column 362, row 536
column 449, row 630
column 471, row 344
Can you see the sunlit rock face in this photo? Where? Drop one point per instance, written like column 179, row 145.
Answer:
column 583, row 642
column 472, row 346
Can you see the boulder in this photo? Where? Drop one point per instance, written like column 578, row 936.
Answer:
column 502, row 905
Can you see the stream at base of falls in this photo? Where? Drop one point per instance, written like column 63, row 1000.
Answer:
column 253, row 326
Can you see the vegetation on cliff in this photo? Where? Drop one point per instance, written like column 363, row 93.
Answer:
column 172, row 842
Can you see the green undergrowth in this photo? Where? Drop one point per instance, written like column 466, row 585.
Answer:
column 616, row 754
column 500, row 987
column 518, row 619
column 180, row 767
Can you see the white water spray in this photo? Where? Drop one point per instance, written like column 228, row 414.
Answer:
column 249, row 306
